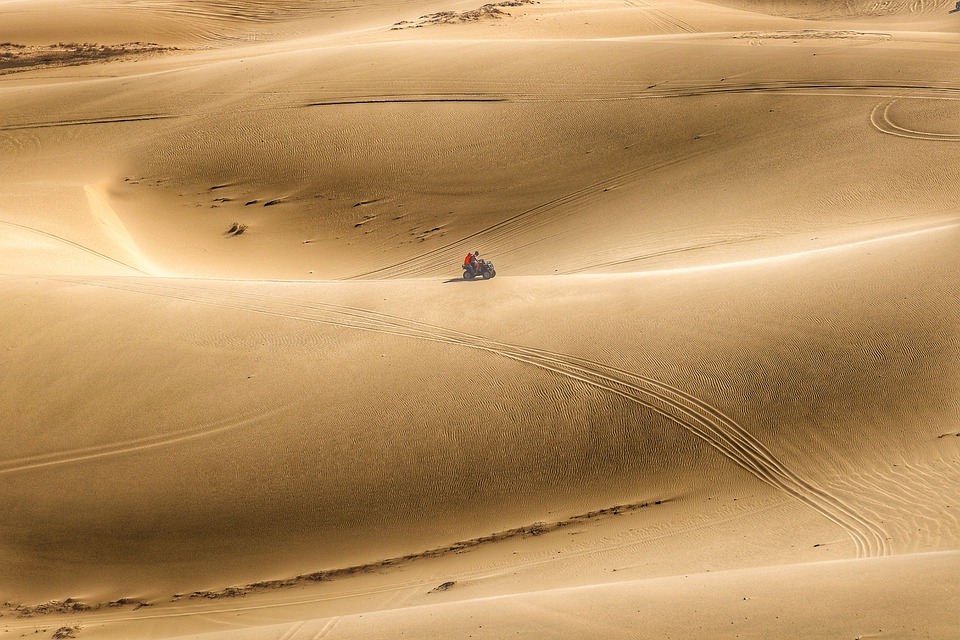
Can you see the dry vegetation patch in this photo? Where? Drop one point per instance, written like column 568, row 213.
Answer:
column 53, row 606
column 488, row 11
column 236, row 229
column 20, row 57
column 812, row 34
column 530, row 530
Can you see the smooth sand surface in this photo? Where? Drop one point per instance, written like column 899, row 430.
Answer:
column 712, row 391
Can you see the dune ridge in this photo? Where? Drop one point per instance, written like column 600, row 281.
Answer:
column 535, row 529
column 660, row 613
column 692, row 414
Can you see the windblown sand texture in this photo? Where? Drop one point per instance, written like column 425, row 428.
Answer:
column 713, row 392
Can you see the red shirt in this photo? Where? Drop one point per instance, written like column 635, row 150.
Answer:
column 468, row 259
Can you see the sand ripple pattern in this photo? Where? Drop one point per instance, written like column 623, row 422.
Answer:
column 919, row 502
column 882, row 122
column 438, row 259
column 214, row 20
column 699, row 418
column 253, row 11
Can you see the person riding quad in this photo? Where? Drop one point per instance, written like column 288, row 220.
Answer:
column 472, row 262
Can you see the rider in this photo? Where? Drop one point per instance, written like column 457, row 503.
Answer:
column 473, row 261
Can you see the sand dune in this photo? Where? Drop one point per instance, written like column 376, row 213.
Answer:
column 754, row 603
column 712, row 391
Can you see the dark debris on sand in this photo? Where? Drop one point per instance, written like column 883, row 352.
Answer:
column 492, row 10
column 19, row 57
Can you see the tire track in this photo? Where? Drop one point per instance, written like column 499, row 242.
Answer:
column 134, row 445
column 75, row 245
column 661, row 19
column 916, row 89
column 910, row 498
column 535, row 217
column 880, row 119
column 292, row 632
column 525, row 221
column 658, row 254
column 327, row 628
column 414, row 99
column 699, row 418
column 658, row 23
column 948, row 224
column 76, row 123
column 9, row 147
column 663, row 90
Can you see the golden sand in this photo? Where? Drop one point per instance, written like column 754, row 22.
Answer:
column 712, row 391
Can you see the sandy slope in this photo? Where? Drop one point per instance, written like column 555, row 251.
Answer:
column 720, row 360
column 756, row 603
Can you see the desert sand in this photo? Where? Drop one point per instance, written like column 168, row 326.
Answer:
column 711, row 393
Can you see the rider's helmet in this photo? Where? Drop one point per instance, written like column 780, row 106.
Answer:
column 476, row 253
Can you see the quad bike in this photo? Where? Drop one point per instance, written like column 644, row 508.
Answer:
column 484, row 269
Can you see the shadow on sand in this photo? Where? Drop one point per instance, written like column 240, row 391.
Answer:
column 462, row 280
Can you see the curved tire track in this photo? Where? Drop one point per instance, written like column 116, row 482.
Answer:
column 880, row 119
column 440, row 257
column 696, row 416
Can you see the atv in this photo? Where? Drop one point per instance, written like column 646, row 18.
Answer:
column 484, row 269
